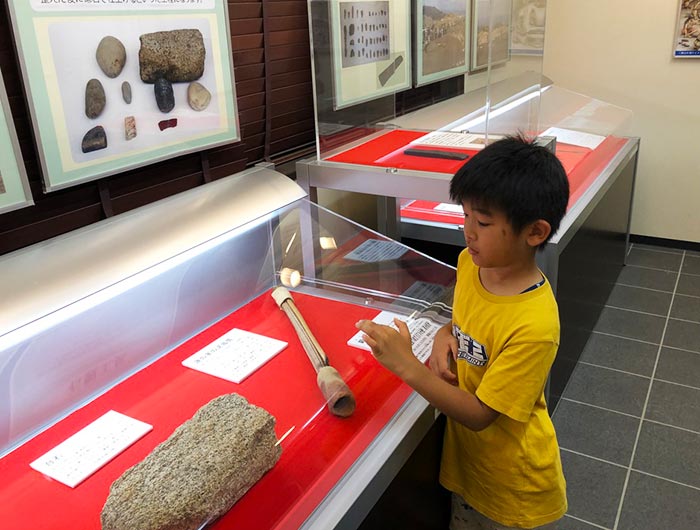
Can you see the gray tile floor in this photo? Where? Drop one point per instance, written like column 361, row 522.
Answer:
column 629, row 420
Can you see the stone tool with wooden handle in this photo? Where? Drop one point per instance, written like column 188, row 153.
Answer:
column 340, row 398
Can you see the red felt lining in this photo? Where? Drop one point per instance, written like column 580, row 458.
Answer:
column 317, row 453
column 582, row 166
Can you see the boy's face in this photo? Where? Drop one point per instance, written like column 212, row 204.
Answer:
column 490, row 237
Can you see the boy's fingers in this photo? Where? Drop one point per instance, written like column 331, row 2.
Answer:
column 403, row 327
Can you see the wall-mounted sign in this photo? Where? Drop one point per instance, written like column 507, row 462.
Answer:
column 528, row 25
column 371, row 43
column 118, row 85
column 687, row 37
column 490, row 32
column 14, row 188
column 442, row 39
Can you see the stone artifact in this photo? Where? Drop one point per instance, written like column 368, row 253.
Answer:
column 199, row 472
column 126, row 92
column 94, row 140
column 198, row 96
column 386, row 74
column 167, row 124
column 95, row 98
column 339, row 397
column 165, row 98
column 111, row 56
column 129, row 128
column 176, row 55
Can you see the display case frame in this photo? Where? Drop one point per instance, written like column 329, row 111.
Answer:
column 204, row 262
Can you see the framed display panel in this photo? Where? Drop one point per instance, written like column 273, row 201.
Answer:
column 14, row 188
column 490, row 33
column 442, row 39
column 371, row 46
column 111, row 86
column 686, row 43
column 528, row 25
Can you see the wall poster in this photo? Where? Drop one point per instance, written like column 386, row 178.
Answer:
column 528, row 25
column 371, row 43
column 490, row 24
column 687, row 38
column 442, row 39
column 14, row 188
column 119, row 85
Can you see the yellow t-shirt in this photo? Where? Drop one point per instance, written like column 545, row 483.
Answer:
column 511, row 471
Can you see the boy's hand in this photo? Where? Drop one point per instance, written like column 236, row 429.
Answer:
column 390, row 347
column 444, row 347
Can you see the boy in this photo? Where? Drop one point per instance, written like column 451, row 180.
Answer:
column 500, row 454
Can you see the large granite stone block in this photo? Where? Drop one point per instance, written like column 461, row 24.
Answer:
column 177, row 55
column 199, row 472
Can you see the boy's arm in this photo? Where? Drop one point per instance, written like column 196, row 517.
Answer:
column 393, row 350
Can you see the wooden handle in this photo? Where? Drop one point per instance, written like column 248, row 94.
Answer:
column 339, row 397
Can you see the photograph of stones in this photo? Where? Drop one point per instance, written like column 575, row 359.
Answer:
column 127, row 86
column 443, row 39
column 371, row 47
column 490, row 23
column 366, row 35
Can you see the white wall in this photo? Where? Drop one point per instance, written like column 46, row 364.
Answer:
column 620, row 51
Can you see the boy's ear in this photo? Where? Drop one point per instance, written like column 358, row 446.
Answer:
column 538, row 232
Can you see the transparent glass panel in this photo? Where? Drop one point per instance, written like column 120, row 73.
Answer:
column 361, row 56
column 122, row 348
column 82, row 350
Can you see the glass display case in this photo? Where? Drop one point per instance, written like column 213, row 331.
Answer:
column 408, row 159
column 104, row 318
column 367, row 147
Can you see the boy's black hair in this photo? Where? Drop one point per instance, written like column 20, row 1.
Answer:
column 525, row 181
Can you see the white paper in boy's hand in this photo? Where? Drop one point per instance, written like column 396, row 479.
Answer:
column 422, row 332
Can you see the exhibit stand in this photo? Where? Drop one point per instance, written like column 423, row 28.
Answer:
column 100, row 323
column 407, row 161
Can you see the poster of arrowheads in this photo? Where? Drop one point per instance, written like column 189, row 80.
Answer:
column 687, row 38
column 14, row 188
column 371, row 43
column 114, row 86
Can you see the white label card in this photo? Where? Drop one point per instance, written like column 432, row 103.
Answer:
column 422, row 332
column 79, row 456
column 451, row 208
column 374, row 250
column 462, row 140
column 235, row 355
column 571, row 137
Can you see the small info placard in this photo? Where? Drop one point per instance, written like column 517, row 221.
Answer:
column 79, row 456
column 422, row 332
column 374, row 250
column 235, row 355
